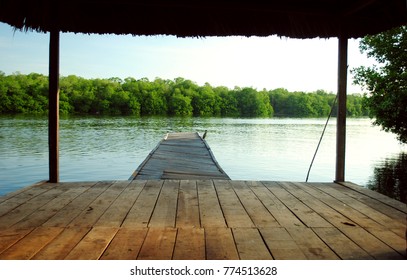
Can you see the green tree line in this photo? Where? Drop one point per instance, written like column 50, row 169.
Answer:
column 179, row 97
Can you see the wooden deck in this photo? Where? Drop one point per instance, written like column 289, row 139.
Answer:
column 179, row 156
column 200, row 219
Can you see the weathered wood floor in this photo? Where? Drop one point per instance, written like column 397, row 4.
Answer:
column 200, row 219
column 181, row 155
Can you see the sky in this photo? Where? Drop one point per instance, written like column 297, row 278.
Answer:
column 259, row 62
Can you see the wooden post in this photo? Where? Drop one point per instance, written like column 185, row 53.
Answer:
column 53, row 107
column 341, row 119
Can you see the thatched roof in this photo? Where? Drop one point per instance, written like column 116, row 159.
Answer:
column 290, row 18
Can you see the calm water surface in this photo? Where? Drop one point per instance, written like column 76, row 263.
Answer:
column 106, row 148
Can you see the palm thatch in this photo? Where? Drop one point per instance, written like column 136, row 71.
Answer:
column 196, row 18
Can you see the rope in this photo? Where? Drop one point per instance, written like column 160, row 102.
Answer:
column 320, row 139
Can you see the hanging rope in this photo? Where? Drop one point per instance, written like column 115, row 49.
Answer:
column 322, row 136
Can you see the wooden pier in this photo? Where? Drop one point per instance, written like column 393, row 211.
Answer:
column 200, row 219
column 180, row 155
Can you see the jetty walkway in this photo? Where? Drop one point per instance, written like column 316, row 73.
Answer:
column 180, row 155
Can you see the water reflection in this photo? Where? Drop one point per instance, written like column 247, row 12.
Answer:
column 390, row 177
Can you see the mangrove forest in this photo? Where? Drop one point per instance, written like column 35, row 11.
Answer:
column 28, row 94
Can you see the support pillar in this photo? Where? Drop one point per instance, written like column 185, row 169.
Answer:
column 341, row 119
column 53, row 107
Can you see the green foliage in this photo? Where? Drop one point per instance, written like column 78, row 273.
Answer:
column 228, row 104
column 387, row 81
column 252, row 103
column 180, row 105
column 301, row 104
column 205, row 102
column 179, row 97
column 23, row 93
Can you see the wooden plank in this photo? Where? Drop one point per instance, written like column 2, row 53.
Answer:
column 373, row 246
column 198, row 153
column 159, row 244
column 190, row 244
column 281, row 244
column 311, row 245
column 182, row 144
column 335, row 190
column 28, row 246
column 24, row 192
column 126, row 244
column 188, row 206
column 62, row 245
column 325, row 210
column 280, row 212
column 183, row 140
column 89, row 216
column 146, row 175
column 378, row 203
column 26, row 209
column 192, row 146
column 344, row 247
column 9, row 237
column 173, row 154
column 355, row 216
column 179, row 176
column 388, row 237
column 118, row 210
column 378, row 196
column 183, row 149
column 192, row 174
column 233, row 210
column 140, row 214
column 63, row 217
column 92, row 246
column 220, row 245
column 258, row 213
column 193, row 160
column 210, row 212
column 187, row 161
column 399, row 231
column 14, row 200
column 165, row 211
column 173, row 159
column 250, row 244
column 182, row 135
column 181, row 162
column 308, row 216
column 48, row 210
column 181, row 170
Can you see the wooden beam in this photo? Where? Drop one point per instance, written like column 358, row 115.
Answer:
column 341, row 119
column 53, row 108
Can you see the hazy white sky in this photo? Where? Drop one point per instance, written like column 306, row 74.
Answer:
column 258, row 62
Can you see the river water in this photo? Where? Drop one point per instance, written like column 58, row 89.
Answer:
column 107, row 148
